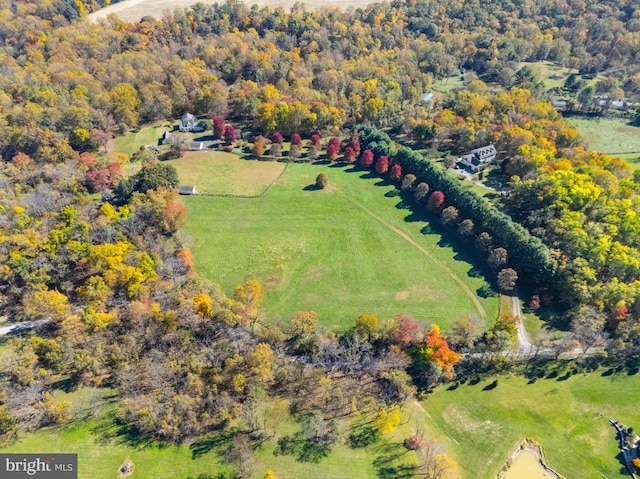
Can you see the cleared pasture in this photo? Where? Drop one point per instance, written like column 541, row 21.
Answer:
column 613, row 136
column 352, row 248
column 567, row 414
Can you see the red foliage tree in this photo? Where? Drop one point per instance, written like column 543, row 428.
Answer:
column 349, row 155
column 98, row 180
column 436, row 349
column 296, row 139
column 355, row 144
column 396, row 172
column 534, row 304
column 366, row 160
column 407, row 329
column 88, row 160
column 335, row 142
column 436, row 200
column 229, row 134
column 218, row 127
column 332, row 153
column 382, row 165
column 315, row 141
column 277, row 138
column 115, row 169
column 187, row 258
column 173, row 215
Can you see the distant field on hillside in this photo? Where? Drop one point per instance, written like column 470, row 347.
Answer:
column 613, row 136
column 134, row 10
column 350, row 249
column 568, row 416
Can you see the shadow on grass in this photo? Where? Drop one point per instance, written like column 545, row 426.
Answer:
column 304, row 449
column 312, row 187
column 112, row 429
column 363, row 437
column 204, row 446
column 491, row 386
column 387, row 465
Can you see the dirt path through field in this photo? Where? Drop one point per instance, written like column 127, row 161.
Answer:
column 134, row 10
column 424, row 251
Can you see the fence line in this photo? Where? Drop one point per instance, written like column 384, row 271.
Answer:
column 264, row 192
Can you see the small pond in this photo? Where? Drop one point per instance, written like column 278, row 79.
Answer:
column 526, row 465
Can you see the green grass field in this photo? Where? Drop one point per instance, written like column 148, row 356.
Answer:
column 220, row 173
column 568, row 417
column 350, row 249
column 145, row 136
column 613, row 136
column 102, row 446
column 102, row 449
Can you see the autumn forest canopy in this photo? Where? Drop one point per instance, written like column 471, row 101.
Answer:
column 95, row 252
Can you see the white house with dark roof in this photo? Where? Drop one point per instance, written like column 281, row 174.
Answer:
column 188, row 123
column 479, row 158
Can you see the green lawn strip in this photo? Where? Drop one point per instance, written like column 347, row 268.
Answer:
column 447, row 84
column 220, row 173
column 343, row 461
column 569, row 417
column 612, row 136
column 318, row 250
column 102, row 449
column 145, row 136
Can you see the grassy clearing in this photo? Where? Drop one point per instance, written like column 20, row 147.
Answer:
column 220, row 173
column 134, row 10
column 554, row 75
column 339, row 251
column 102, row 447
column 447, row 84
column 145, row 136
column 613, row 136
column 569, row 417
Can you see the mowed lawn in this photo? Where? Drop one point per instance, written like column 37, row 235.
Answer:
column 612, row 136
column 220, row 173
column 569, row 418
column 350, row 249
column 145, row 136
column 102, row 448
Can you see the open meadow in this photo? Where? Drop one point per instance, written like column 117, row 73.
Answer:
column 134, row 10
column 352, row 248
column 568, row 415
column 613, row 136
column 103, row 446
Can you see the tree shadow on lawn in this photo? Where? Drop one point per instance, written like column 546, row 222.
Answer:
column 214, row 441
column 304, row 449
column 386, row 463
column 311, row 187
column 112, row 429
column 620, row 457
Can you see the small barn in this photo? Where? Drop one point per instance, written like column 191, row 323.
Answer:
column 186, row 190
column 167, row 138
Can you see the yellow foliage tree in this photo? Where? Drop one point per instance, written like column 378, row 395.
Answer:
column 249, row 295
column 203, row 305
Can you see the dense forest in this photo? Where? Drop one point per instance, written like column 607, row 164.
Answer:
column 105, row 270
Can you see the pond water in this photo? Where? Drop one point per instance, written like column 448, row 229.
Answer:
column 526, row 465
